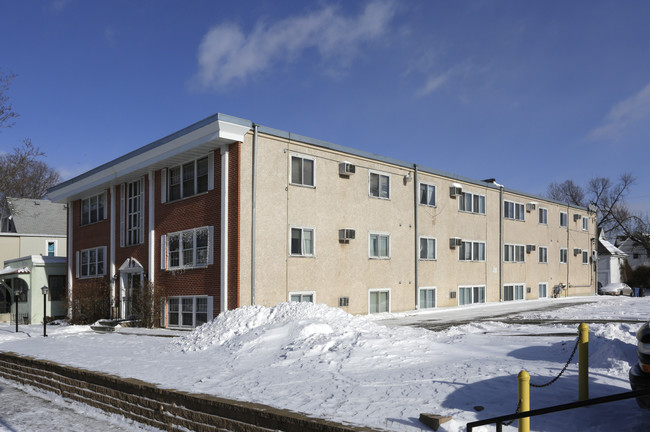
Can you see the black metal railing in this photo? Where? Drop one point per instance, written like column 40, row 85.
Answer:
column 499, row 421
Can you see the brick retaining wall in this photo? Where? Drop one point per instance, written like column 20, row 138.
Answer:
column 164, row 409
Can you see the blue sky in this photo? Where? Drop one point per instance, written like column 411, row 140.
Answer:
column 526, row 92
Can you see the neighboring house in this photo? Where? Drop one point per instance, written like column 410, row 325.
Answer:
column 637, row 255
column 226, row 213
column 30, row 274
column 610, row 262
column 32, row 227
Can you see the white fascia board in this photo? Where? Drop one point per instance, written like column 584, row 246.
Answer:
column 218, row 132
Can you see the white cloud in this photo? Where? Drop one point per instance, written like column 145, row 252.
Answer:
column 59, row 5
column 624, row 115
column 109, row 36
column 226, row 54
column 436, row 81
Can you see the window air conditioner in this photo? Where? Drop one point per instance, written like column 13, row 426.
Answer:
column 531, row 206
column 577, row 217
column 346, row 168
column 530, row 248
column 455, row 241
column 455, row 190
column 346, row 234
column 577, row 251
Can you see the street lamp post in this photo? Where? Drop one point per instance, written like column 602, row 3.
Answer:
column 44, row 289
column 17, row 293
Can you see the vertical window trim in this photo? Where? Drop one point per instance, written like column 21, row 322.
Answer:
column 435, row 248
column 380, row 290
column 166, row 251
column 585, row 223
column 514, row 253
column 482, row 203
column 539, row 286
column 462, row 251
column 516, row 289
column 472, row 289
column 302, row 158
column 564, row 219
column 181, row 178
column 101, row 215
column 544, row 211
column 87, row 253
column 127, row 218
column 433, row 194
column 539, row 255
column 564, row 255
column 435, row 297
column 195, row 311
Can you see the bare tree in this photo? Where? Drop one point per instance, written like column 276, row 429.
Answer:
column 23, row 175
column 6, row 110
column 567, row 192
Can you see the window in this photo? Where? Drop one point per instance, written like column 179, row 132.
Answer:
column 379, row 246
column 188, row 311
column 379, row 185
column 471, row 251
column 302, row 241
column 427, row 298
column 93, row 209
column 51, row 247
column 471, row 203
column 427, row 248
column 378, row 301
column 92, row 262
column 471, row 294
column 302, row 297
column 513, row 253
column 564, row 219
column 513, row 292
column 542, row 254
column 513, row 210
column 585, row 223
column 187, row 249
column 302, row 171
column 564, row 253
column 585, row 257
column 542, row 288
column 57, row 288
column 132, row 227
column 188, row 179
column 542, row 216
column 427, row 194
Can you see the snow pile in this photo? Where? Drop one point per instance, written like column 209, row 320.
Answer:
column 299, row 324
column 613, row 347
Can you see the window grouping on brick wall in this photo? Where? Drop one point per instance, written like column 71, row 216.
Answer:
column 187, row 249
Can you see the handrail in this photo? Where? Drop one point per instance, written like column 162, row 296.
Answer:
column 563, row 407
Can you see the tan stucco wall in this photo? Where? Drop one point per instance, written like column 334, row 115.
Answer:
column 345, row 270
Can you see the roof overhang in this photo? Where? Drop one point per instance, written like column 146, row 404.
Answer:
column 186, row 144
column 13, row 271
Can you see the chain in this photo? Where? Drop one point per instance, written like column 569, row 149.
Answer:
column 508, row 423
column 563, row 369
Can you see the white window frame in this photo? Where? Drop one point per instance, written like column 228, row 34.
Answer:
column 379, row 290
column 429, row 247
column 462, row 203
column 514, row 253
column 564, row 219
column 88, row 253
column 302, row 159
column 47, row 246
column 476, row 248
column 302, row 294
column 518, row 291
column 179, row 313
column 543, row 249
column 542, row 216
column 430, row 193
column 434, row 292
column 379, row 235
column 302, row 252
column 166, row 252
column 585, row 223
column 514, row 211
column 475, row 291
column 380, row 175
column 585, row 256
column 100, row 209
column 132, row 221
column 167, row 179
column 542, row 286
column 564, row 255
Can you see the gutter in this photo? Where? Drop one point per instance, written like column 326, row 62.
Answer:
column 253, row 213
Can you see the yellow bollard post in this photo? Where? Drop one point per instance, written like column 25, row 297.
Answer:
column 524, row 400
column 583, row 362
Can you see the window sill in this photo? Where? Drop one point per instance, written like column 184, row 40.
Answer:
column 170, row 201
column 92, row 276
column 303, row 185
column 379, row 198
column 92, row 223
column 174, row 269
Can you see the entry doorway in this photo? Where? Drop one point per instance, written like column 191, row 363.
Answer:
column 131, row 282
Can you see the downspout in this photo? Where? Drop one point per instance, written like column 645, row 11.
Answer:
column 500, row 241
column 416, row 243
column 152, row 232
column 253, row 214
column 113, row 282
column 568, row 218
column 224, row 229
column 71, row 258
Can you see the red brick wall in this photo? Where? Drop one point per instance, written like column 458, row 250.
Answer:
column 90, row 236
column 234, row 203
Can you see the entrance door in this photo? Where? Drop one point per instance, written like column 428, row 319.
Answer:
column 131, row 293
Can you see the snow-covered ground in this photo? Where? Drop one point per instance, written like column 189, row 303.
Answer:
column 324, row 362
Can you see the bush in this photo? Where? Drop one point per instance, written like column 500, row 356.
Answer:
column 146, row 305
column 639, row 278
column 91, row 301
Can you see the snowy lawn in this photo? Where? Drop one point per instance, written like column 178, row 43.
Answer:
column 327, row 363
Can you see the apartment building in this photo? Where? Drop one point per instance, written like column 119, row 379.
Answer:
column 226, row 213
